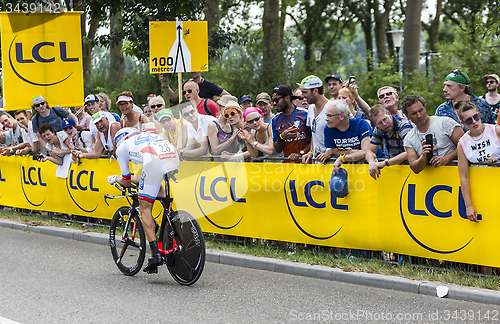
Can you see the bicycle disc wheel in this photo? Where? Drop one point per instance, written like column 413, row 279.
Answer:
column 128, row 245
column 185, row 265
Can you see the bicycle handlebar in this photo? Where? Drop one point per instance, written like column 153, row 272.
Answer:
column 124, row 192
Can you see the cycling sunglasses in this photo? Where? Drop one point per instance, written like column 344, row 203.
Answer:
column 383, row 95
column 156, row 106
column 188, row 91
column 251, row 121
column 39, row 104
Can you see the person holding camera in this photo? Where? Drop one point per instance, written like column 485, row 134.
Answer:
column 433, row 140
column 56, row 145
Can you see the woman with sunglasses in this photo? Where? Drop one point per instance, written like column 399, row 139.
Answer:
column 45, row 114
column 257, row 140
column 483, row 136
column 234, row 117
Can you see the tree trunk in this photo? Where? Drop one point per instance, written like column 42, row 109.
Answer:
column 116, row 58
column 272, row 53
column 212, row 14
column 87, row 47
column 411, row 50
column 381, row 20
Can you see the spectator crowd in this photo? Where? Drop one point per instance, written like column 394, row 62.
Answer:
column 296, row 126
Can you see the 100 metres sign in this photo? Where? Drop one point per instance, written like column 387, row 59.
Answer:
column 178, row 46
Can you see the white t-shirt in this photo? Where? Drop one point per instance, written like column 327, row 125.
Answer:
column 317, row 125
column 477, row 149
column 30, row 135
column 62, row 137
column 202, row 131
column 441, row 129
column 17, row 136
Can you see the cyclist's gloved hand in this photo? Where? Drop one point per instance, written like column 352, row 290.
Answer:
column 112, row 179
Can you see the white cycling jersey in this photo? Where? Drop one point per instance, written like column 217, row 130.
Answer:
column 156, row 154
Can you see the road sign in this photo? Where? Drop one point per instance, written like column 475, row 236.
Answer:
column 178, row 46
column 42, row 55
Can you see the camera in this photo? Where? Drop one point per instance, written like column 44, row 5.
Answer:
column 352, row 80
column 37, row 157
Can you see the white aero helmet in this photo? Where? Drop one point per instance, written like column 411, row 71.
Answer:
column 123, row 134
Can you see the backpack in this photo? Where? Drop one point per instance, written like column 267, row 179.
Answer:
column 205, row 107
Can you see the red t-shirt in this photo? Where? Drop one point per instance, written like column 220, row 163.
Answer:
column 211, row 105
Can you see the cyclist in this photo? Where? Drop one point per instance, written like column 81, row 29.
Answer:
column 157, row 157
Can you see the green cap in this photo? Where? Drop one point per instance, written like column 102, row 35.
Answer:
column 310, row 82
column 164, row 113
column 458, row 77
column 98, row 116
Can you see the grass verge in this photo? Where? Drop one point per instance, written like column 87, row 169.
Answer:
column 343, row 262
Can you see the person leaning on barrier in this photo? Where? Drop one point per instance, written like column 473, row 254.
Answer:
column 78, row 139
column 481, row 143
column 347, row 138
column 445, row 131
column 18, row 135
column 291, row 135
column 56, row 144
column 197, row 131
column 103, row 132
column 390, row 130
column 259, row 140
column 131, row 117
column 31, row 138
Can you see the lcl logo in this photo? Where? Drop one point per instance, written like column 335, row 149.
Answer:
column 83, row 181
column 19, row 55
column 32, row 177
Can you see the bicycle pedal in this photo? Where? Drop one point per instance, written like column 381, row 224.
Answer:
column 152, row 270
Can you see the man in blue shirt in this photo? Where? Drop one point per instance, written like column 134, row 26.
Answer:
column 348, row 139
column 457, row 87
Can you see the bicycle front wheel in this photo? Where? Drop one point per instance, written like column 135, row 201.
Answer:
column 127, row 241
column 186, row 264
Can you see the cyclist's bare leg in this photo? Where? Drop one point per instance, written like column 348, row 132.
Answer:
column 146, row 210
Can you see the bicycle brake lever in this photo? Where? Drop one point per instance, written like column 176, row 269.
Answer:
column 173, row 178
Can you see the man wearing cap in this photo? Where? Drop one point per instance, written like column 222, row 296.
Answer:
column 457, row 87
column 105, row 132
column 492, row 96
column 170, row 128
column 346, row 138
column 390, row 130
column 291, row 135
column 445, row 132
column 334, row 85
column 245, row 101
column 93, row 105
column 388, row 97
column 203, row 106
column 313, row 90
column 263, row 102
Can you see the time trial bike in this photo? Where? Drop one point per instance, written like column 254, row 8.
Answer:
column 181, row 242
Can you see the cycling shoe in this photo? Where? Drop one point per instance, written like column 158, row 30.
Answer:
column 153, row 264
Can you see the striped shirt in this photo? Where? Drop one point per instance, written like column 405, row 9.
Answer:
column 393, row 143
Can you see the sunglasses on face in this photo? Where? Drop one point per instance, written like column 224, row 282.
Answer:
column 302, row 98
column 251, row 121
column 165, row 120
column 276, row 99
column 383, row 95
column 230, row 113
column 476, row 117
column 156, row 106
column 457, row 71
column 187, row 113
column 68, row 128
column 491, row 82
column 39, row 104
column 188, row 91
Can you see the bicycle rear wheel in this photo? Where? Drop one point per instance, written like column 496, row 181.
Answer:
column 185, row 265
column 129, row 247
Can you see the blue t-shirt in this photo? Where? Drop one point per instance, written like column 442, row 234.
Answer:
column 53, row 118
column 298, row 117
column 351, row 138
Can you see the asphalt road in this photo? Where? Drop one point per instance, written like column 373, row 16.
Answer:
column 46, row 279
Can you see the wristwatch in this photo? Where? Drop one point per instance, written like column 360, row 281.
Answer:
column 386, row 162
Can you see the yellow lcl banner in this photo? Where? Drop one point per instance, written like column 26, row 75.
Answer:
column 41, row 55
column 178, row 46
column 402, row 212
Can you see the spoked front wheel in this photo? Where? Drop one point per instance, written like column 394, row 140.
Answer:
column 186, row 264
column 127, row 241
